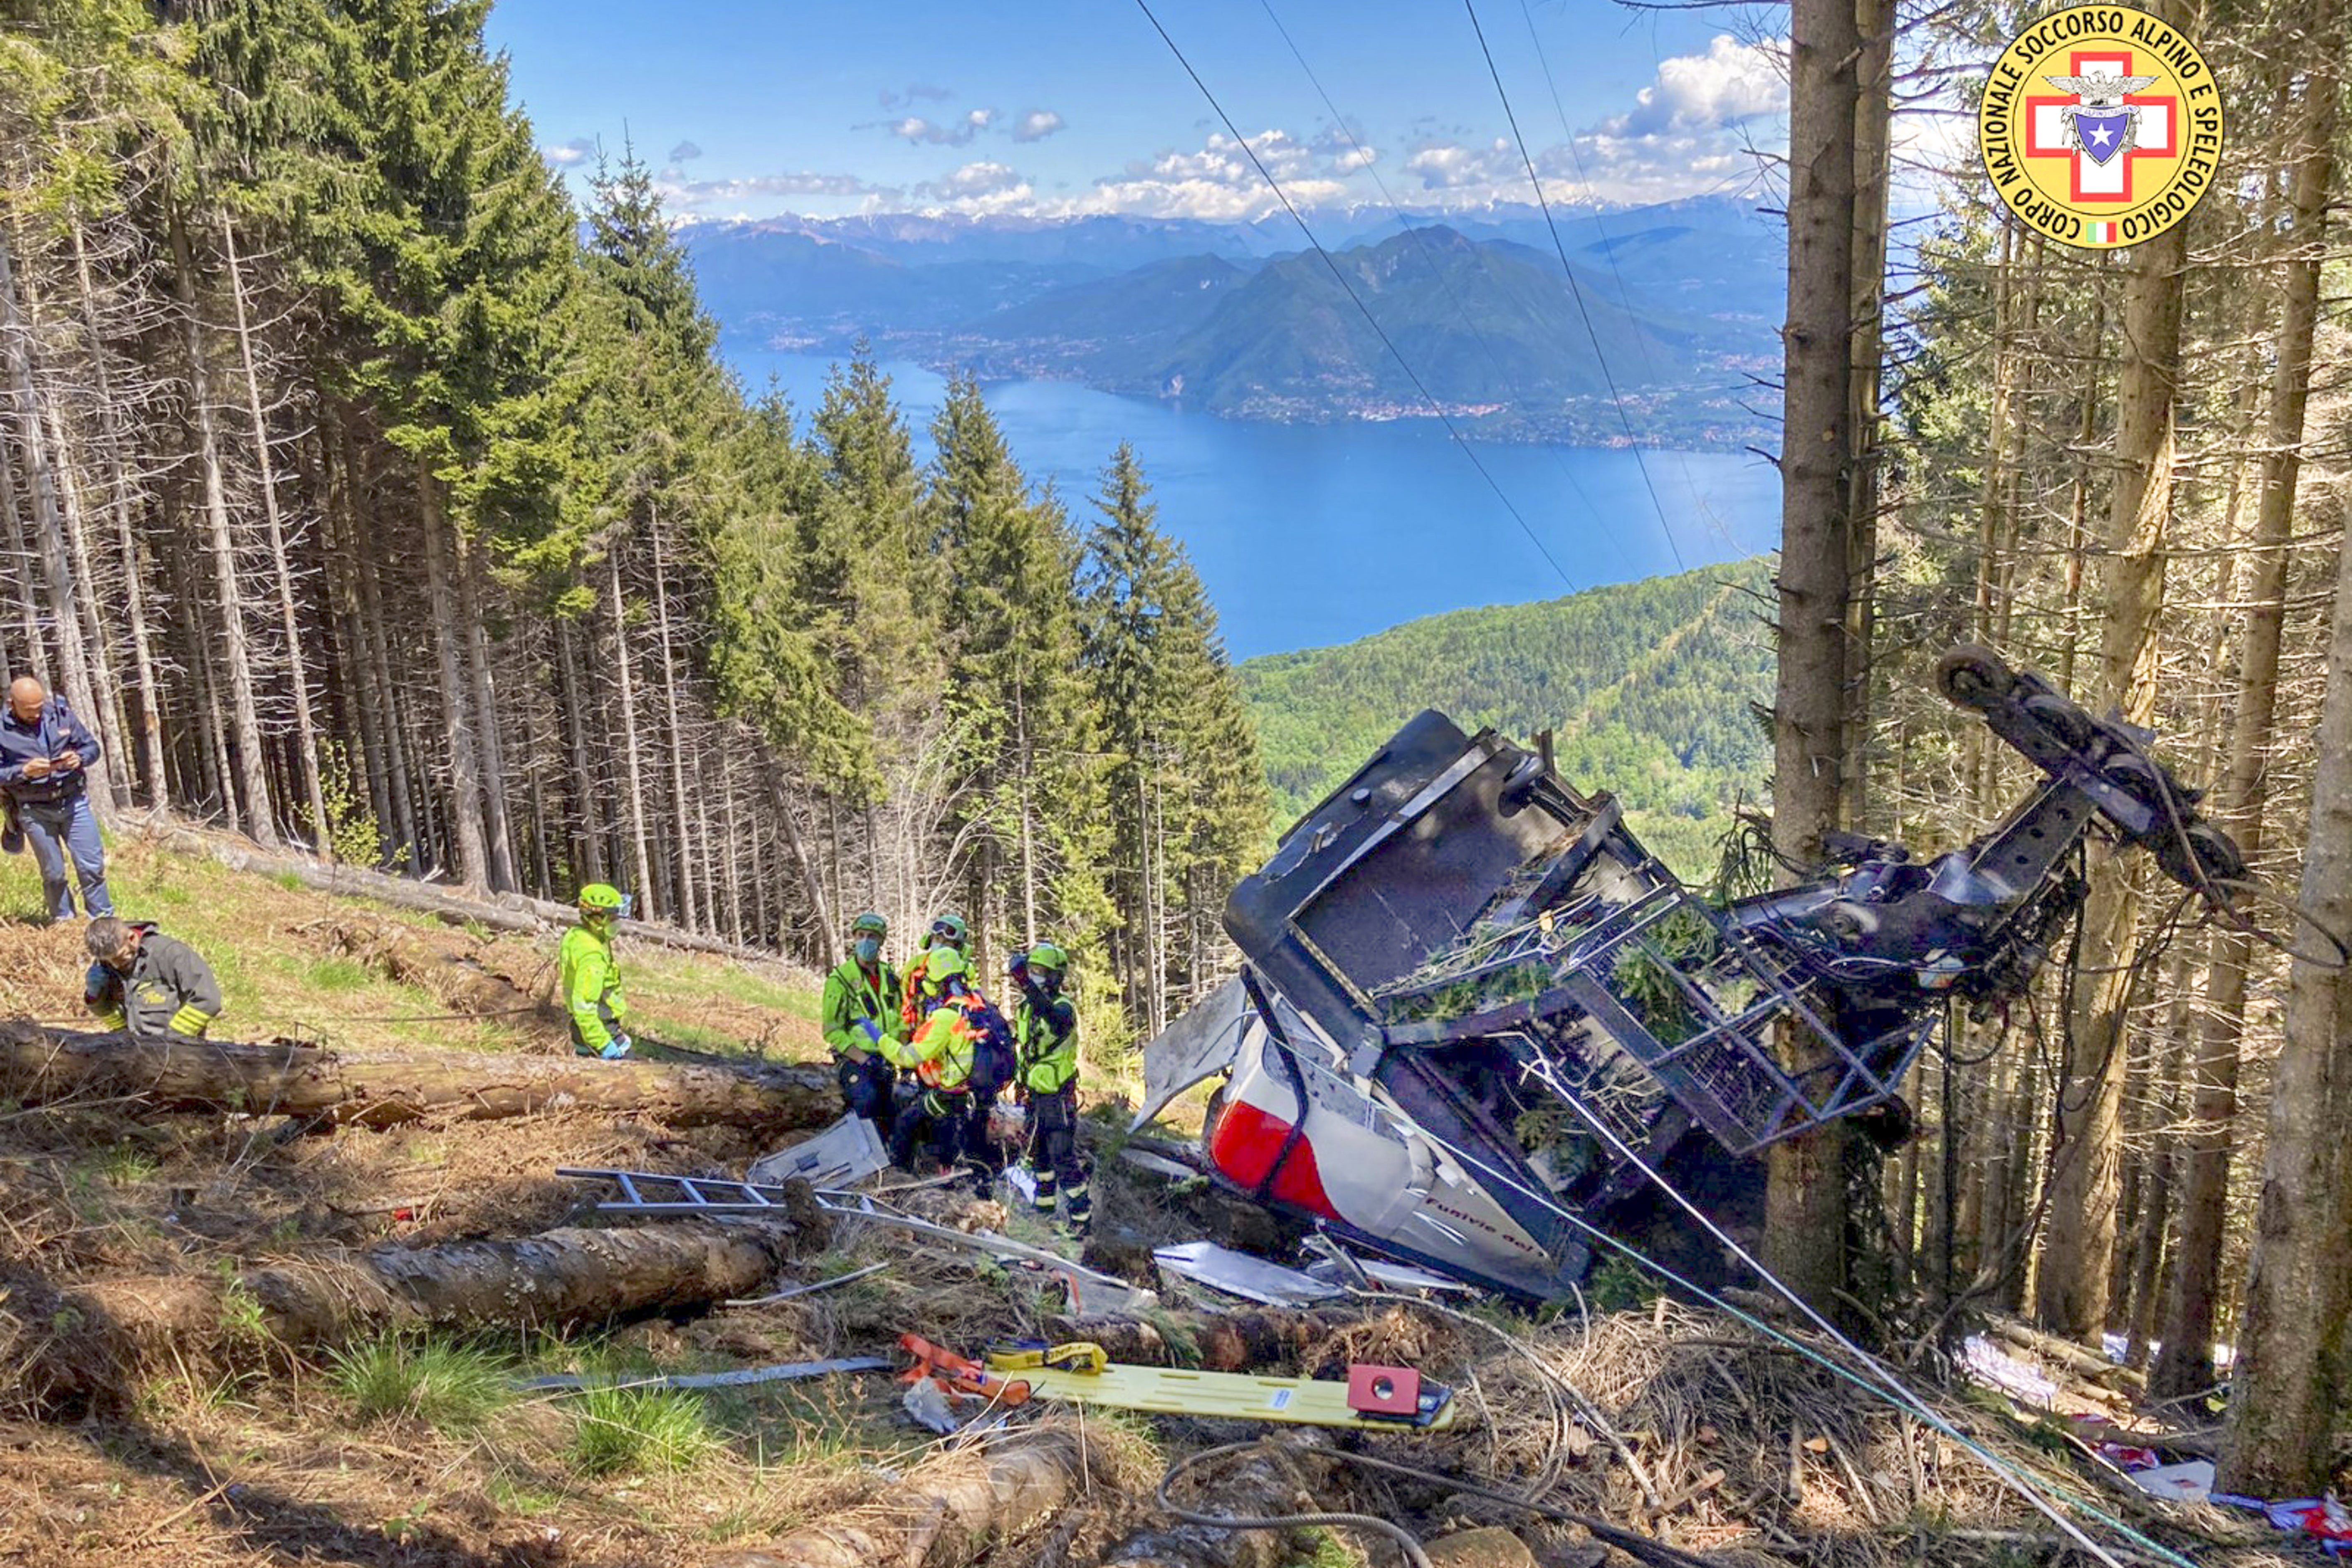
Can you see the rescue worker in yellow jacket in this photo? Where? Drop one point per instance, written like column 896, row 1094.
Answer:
column 590, row 976
column 1045, row 1045
column 860, row 1020
column 921, row 987
column 146, row 982
column 944, row 1053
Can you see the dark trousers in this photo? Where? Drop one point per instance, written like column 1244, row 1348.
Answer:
column 58, row 830
column 866, row 1089
column 1054, row 1154
column 933, row 1121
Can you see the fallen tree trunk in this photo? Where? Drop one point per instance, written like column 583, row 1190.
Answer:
column 499, row 911
column 379, row 1088
column 2086, row 1363
column 458, row 980
column 553, row 1279
column 1249, row 1338
column 948, row 1511
column 86, row 1339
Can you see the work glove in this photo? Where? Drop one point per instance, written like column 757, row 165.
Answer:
column 873, row 1030
column 617, row 1047
column 93, row 981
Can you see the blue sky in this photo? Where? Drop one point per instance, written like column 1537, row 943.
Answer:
column 1057, row 107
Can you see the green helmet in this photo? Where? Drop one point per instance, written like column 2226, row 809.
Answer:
column 945, row 964
column 1045, row 955
column 604, row 899
column 949, row 930
column 870, row 924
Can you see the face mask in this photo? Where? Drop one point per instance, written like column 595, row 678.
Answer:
column 868, row 949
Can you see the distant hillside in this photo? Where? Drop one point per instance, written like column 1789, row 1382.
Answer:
column 1648, row 687
column 1684, row 299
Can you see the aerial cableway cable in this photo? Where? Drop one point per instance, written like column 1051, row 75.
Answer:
column 1575, row 290
column 1429, row 258
column 1357, row 300
column 1699, row 508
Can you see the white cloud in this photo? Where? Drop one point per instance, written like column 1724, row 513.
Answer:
column 915, row 129
column 1036, row 125
column 1449, row 166
column 565, row 154
column 1355, row 158
column 685, row 153
column 976, row 182
column 681, row 195
column 1732, row 82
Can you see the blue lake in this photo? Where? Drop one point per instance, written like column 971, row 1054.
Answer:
column 1311, row 535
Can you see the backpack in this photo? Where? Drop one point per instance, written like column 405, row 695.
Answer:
column 994, row 1061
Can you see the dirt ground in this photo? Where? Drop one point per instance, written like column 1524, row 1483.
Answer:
column 230, row 1450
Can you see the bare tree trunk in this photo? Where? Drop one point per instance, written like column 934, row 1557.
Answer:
column 2185, row 1362
column 497, row 830
column 689, row 911
column 457, row 721
column 2290, row 1374
column 588, row 839
column 259, row 817
column 289, row 622
column 1805, row 1204
column 640, row 851
column 2071, row 1288
column 408, row 831
column 15, row 336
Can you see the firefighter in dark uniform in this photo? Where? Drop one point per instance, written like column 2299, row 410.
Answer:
column 146, row 982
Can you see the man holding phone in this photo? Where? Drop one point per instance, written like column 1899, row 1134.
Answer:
column 45, row 758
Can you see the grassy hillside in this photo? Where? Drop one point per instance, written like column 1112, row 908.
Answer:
column 1648, row 688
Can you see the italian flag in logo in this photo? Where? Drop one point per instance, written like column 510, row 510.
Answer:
column 2098, row 232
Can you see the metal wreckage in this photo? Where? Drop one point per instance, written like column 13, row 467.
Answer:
column 1474, row 1014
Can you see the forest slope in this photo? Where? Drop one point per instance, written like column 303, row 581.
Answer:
column 1648, row 687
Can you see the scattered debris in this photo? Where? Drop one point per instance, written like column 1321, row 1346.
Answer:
column 1239, row 1274
column 848, row 1151
column 788, row 1372
column 792, row 1291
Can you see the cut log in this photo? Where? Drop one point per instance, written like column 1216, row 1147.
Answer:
column 1251, row 1339
column 2086, row 1364
column 379, row 1088
column 85, row 1338
column 499, row 911
column 459, row 980
column 948, row 1511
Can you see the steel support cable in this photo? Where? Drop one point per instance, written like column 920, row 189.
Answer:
column 1364, row 157
column 1576, row 290
column 1357, row 300
column 1397, row 1533
column 1882, row 1384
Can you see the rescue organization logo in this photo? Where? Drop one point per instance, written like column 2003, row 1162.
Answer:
column 2100, row 126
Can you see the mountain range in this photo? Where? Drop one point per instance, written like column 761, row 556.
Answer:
column 1682, row 302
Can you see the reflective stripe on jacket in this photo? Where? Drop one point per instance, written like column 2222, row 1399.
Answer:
column 1047, row 1041
column 946, row 1044
column 590, row 979
column 170, row 990
column 852, row 995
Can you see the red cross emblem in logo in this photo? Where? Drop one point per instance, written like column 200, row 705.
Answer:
column 2086, row 135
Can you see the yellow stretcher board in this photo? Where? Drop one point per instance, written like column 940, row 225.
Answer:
column 1172, row 1391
